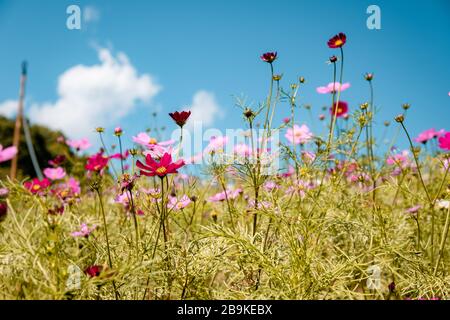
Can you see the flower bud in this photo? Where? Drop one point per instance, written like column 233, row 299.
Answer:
column 400, row 118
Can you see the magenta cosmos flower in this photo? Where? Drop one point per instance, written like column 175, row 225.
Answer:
column 97, row 162
column 93, row 271
column 444, row 141
column 36, row 185
column 162, row 168
column 79, row 145
column 333, row 87
column 341, row 110
column 269, row 57
column 299, row 135
column 7, row 153
column 337, row 41
column 54, row 173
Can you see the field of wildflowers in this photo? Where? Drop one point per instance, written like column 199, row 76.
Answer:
column 335, row 218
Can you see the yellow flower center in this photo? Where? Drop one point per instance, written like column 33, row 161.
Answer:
column 36, row 187
column 161, row 170
column 152, row 141
column 338, row 42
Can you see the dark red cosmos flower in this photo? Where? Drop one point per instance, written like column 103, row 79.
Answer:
column 337, row 41
column 162, row 168
column 269, row 57
column 342, row 109
column 180, row 117
column 57, row 161
column 97, row 162
column 93, row 271
column 36, row 185
column 3, row 210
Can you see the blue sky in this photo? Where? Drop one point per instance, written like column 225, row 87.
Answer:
column 187, row 48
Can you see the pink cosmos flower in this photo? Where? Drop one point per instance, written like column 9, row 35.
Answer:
column 300, row 187
column 261, row 204
column 230, row 194
column 69, row 189
column 333, row 87
column 269, row 186
column 118, row 131
column 428, row 135
column 299, row 135
column 84, row 231
column 196, row 159
column 399, row 159
column 147, row 141
column 54, row 173
column 74, row 186
column 216, row 143
column 290, row 172
column 7, row 153
column 444, row 141
column 242, row 150
column 175, row 204
column 79, row 145
column 3, row 192
column 123, row 199
column 414, row 210
column 308, row 156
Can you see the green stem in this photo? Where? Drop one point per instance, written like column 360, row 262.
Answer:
column 102, row 210
column 443, row 239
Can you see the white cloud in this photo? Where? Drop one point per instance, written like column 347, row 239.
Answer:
column 90, row 14
column 97, row 95
column 204, row 108
column 8, row 108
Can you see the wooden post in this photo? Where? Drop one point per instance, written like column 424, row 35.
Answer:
column 18, row 125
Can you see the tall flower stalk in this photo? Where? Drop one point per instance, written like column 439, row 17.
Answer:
column 400, row 119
